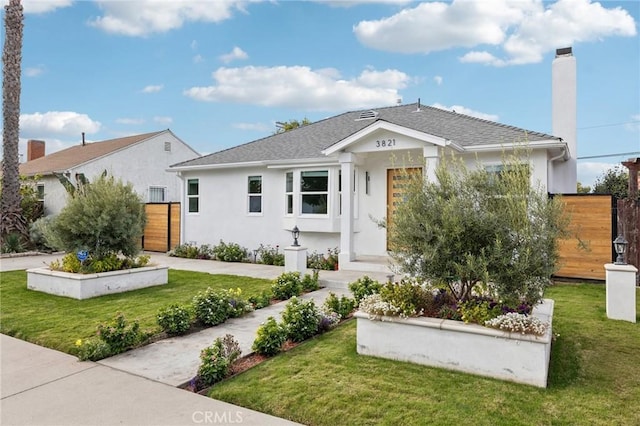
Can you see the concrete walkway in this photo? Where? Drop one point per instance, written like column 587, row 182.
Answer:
column 45, row 387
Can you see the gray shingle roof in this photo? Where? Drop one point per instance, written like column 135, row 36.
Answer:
column 309, row 141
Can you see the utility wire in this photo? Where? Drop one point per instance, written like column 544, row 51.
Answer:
column 609, row 155
column 608, row 125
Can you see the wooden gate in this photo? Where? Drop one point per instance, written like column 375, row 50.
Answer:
column 162, row 232
column 593, row 221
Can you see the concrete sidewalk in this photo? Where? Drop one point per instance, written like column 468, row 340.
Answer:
column 41, row 386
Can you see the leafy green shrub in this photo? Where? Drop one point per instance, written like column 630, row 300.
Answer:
column 175, row 319
column 310, row 282
column 119, row 335
column 110, row 262
column 12, row 243
column 409, row 296
column 300, row 319
column 191, row 251
column 68, row 263
column 287, row 285
column 238, row 306
column 231, row 252
column 261, row 301
column 270, row 338
column 342, row 306
column 216, row 359
column 211, row 307
column 107, row 217
column 328, row 262
column 42, row 236
column 92, row 350
column 270, row 255
column 364, row 286
column 478, row 311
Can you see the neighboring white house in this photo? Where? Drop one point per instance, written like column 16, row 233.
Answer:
column 141, row 160
column 332, row 177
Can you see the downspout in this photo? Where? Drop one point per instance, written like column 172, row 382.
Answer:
column 562, row 155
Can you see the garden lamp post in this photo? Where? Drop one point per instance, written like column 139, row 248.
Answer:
column 295, row 233
column 255, row 256
column 620, row 244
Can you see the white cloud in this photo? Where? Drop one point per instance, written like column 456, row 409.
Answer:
column 163, row 120
column 589, row 172
column 301, row 87
column 153, row 88
column 522, row 30
column 351, row 3
column 438, row 79
column 67, row 123
column 467, row 111
column 235, row 54
column 51, row 145
column 34, row 71
column 43, row 6
column 133, row 121
column 258, row 127
column 144, row 17
column 194, row 45
column 197, row 59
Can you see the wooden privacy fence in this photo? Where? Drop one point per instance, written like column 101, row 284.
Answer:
column 593, row 221
column 162, row 232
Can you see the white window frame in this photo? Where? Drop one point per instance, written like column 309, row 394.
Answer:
column 195, row 196
column 251, row 195
column 289, row 194
column 157, row 187
column 40, row 192
column 326, row 193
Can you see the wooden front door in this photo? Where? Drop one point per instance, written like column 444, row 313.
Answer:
column 396, row 186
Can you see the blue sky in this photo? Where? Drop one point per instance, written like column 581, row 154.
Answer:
column 219, row 74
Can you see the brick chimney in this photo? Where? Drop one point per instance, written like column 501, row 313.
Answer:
column 35, row 149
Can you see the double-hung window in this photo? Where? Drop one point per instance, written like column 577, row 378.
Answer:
column 255, row 194
column 289, row 192
column 314, row 191
column 40, row 191
column 193, row 192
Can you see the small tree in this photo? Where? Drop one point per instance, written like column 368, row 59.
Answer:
column 107, row 218
column 285, row 126
column 474, row 226
column 614, row 181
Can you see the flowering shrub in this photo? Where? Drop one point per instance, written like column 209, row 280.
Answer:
column 364, row 286
column 342, row 306
column 192, row 251
column 119, row 335
column 310, row 282
column 518, row 323
column 92, row 265
column 270, row 338
column 261, row 301
column 287, row 285
column 328, row 320
column 238, row 306
column 300, row 319
column 92, row 350
column 216, row 359
column 211, row 307
column 410, row 297
column 230, row 252
column 174, row 319
column 270, row 255
column 377, row 308
column 328, row 262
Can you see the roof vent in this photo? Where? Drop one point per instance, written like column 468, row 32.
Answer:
column 367, row 115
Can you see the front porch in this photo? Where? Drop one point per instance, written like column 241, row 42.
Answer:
column 362, row 263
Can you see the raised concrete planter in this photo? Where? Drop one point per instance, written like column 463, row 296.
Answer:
column 86, row 286
column 454, row 345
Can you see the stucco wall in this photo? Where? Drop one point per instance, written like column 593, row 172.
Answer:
column 143, row 164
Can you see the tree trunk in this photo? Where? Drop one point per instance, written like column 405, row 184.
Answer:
column 12, row 220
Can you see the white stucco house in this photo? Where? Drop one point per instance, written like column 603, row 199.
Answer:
column 141, row 160
column 331, row 177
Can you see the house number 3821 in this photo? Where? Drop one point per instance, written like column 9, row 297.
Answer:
column 385, row 143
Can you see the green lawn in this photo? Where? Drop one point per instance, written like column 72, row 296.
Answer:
column 594, row 379
column 57, row 322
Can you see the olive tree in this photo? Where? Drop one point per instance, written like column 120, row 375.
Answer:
column 107, row 218
column 475, row 227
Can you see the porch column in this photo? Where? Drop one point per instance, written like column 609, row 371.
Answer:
column 430, row 153
column 346, row 220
